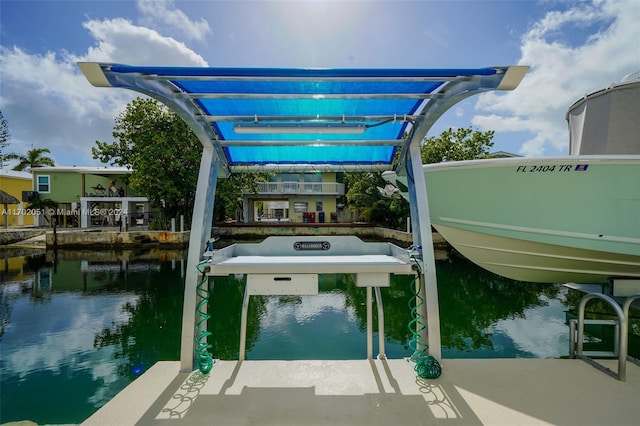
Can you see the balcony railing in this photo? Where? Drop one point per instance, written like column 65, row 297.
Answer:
column 326, row 188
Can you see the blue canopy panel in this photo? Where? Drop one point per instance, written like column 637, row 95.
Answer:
column 337, row 118
column 310, row 154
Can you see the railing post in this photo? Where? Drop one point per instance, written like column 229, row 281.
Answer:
column 622, row 333
column 572, row 338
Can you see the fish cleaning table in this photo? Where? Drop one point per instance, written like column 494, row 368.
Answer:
column 291, row 265
column 307, row 120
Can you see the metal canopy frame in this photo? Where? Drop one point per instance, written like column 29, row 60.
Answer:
column 396, row 107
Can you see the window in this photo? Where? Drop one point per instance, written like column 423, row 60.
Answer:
column 43, row 184
column 290, row 177
column 312, row 177
column 312, row 182
column 300, row 207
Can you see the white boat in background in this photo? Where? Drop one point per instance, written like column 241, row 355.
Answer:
column 607, row 121
column 554, row 220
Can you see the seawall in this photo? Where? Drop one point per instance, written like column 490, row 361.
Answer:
column 363, row 231
column 133, row 239
column 14, row 235
column 112, row 238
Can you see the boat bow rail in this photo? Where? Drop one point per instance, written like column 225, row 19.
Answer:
column 307, row 120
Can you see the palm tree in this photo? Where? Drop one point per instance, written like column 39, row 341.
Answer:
column 4, row 138
column 35, row 158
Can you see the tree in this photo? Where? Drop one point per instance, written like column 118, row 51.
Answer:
column 362, row 189
column 456, row 145
column 229, row 193
column 163, row 153
column 4, row 139
column 364, row 197
column 34, row 158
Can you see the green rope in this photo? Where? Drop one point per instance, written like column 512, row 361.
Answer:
column 203, row 356
column 425, row 366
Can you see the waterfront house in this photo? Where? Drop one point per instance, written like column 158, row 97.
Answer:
column 296, row 198
column 503, row 154
column 90, row 196
column 19, row 185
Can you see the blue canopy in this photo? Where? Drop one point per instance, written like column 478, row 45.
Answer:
column 294, row 119
column 302, row 120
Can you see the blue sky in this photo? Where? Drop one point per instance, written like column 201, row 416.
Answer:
column 572, row 47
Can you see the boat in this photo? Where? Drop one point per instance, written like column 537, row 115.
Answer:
column 573, row 218
column 606, row 121
column 552, row 220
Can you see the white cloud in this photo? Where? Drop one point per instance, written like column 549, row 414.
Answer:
column 118, row 40
column 48, row 103
column 163, row 14
column 41, row 91
column 50, row 78
column 280, row 314
column 66, row 343
column 542, row 332
column 561, row 73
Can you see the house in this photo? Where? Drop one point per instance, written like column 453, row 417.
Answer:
column 16, row 184
column 502, row 154
column 90, row 196
column 295, row 197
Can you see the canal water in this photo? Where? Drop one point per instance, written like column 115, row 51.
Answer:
column 77, row 327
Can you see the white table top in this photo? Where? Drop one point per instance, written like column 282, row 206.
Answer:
column 310, row 264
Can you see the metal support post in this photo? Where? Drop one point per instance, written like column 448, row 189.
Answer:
column 200, row 233
column 243, row 325
column 381, row 351
column 369, row 325
column 421, row 225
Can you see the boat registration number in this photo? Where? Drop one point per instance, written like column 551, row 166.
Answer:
column 552, row 168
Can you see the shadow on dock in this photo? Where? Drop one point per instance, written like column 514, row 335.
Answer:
column 379, row 392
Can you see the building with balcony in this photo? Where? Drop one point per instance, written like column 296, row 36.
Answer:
column 90, row 196
column 294, row 197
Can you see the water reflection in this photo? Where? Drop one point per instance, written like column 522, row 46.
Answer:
column 77, row 327
column 482, row 315
column 481, row 311
column 326, row 326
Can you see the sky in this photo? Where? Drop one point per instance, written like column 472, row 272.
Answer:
column 572, row 48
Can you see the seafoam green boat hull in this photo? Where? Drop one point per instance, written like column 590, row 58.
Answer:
column 568, row 219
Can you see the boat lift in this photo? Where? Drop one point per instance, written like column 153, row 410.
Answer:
column 302, row 120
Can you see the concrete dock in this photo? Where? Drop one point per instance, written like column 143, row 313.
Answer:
column 379, row 392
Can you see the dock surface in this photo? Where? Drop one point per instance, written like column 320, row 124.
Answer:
column 379, row 392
